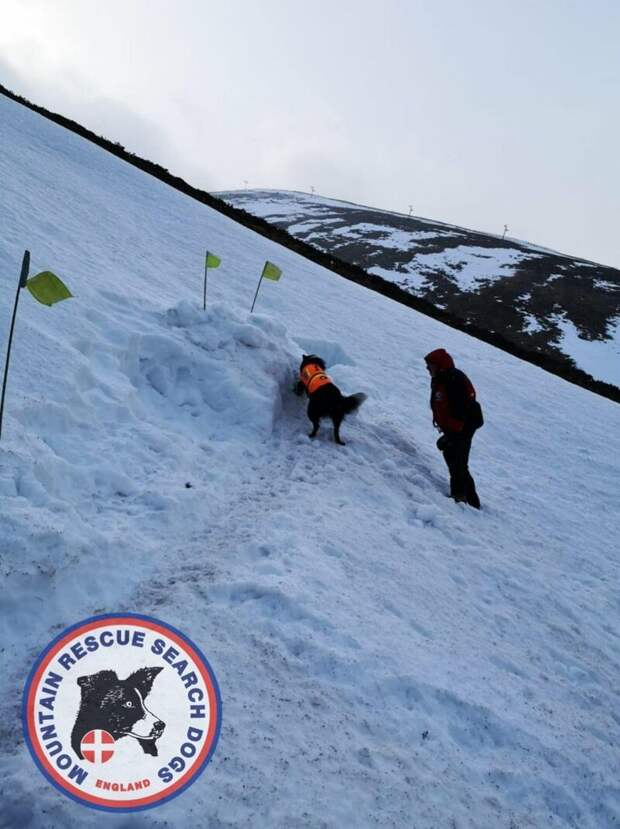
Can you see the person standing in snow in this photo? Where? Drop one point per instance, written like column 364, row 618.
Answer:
column 457, row 414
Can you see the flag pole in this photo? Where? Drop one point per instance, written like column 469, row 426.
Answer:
column 23, row 278
column 204, row 295
column 257, row 290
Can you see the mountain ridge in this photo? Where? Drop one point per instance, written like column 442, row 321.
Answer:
column 373, row 208
column 544, row 302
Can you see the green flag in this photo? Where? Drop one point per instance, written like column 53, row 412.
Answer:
column 47, row 288
column 271, row 271
column 212, row 261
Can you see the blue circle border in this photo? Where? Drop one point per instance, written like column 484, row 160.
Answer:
column 121, row 809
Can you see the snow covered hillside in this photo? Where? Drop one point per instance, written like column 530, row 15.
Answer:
column 539, row 299
column 385, row 657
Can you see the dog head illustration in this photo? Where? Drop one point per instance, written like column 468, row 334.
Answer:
column 118, row 706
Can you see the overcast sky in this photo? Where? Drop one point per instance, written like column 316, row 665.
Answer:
column 475, row 112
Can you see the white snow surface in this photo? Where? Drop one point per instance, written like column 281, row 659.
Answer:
column 470, row 267
column 383, row 236
column 532, row 324
column 386, row 657
column 600, row 358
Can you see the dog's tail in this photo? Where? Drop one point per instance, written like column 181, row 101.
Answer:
column 353, row 402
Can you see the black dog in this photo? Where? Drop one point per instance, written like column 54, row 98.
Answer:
column 117, row 706
column 325, row 398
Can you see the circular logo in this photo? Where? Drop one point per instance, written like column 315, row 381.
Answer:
column 121, row 712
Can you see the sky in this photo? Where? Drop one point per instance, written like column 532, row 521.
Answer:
column 479, row 113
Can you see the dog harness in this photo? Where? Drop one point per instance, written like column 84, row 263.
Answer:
column 313, row 377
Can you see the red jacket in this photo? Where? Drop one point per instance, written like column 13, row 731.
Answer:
column 451, row 393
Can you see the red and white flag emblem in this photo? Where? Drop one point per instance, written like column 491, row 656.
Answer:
column 97, row 746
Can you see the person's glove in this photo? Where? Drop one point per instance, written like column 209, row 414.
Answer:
column 443, row 443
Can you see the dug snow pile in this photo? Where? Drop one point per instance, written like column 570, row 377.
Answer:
column 385, row 656
column 139, row 415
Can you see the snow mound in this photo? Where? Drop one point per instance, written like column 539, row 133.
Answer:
column 222, row 372
column 194, row 384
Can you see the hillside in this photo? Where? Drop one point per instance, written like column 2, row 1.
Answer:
column 542, row 301
column 385, row 656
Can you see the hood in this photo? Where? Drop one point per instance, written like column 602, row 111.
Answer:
column 441, row 359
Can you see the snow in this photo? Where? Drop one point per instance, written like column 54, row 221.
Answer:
column 473, row 267
column 409, row 278
column 273, row 204
column 531, row 324
column 305, row 227
column 263, row 202
column 384, row 236
column 470, row 268
column 600, row 358
column 604, row 285
column 385, row 657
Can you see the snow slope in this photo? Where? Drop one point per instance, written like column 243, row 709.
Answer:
column 497, row 284
column 385, row 657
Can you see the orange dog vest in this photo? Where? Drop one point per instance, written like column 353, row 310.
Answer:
column 313, row 377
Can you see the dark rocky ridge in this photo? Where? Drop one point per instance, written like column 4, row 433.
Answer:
column 525, row 302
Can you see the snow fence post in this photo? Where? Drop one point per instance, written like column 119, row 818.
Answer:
column 204, row 292
column 47, row 289
column 211, row 261
column 270, row 271
column 23, row 279
column 256, row 294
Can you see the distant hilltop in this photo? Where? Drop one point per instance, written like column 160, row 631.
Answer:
column 542, row 301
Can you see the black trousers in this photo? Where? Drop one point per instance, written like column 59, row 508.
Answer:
column 456, row 455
